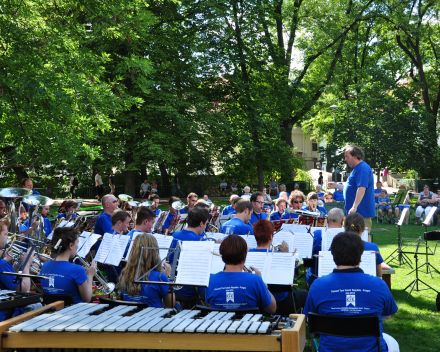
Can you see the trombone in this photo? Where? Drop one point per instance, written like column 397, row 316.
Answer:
column 106, row 287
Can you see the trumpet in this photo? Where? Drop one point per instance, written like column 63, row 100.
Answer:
column 106, row 287
column 17, row 252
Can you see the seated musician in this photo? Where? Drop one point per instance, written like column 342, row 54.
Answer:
column 155, row 207
column 319, row 192
column 8, row 282
column 328, row 197
column 355, row 223
column 155, row 295
column 104, row 222
column 191, row 201
column 283, row 188
column 172, row 213
column 257, row 203
column 312, row 205
column 263, row 231
column 369, row 294
column 233, row 288
column 70, row 207
column 296, row 200
column 280, row 204
column 66, row 277
column 336, row 218
column 239, row 225
column 230, row 209
column 145, row 218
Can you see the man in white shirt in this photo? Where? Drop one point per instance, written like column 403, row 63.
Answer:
column 144, row 188
column 98, row 185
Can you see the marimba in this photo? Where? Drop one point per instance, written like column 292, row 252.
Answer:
column 96, row 326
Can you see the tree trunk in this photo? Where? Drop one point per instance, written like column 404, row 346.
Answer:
column 164, row 174
column 20, row 173
column 144, row 174
column 129, row 178
column 260, row 177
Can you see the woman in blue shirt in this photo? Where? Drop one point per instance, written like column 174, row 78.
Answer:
column 155, row 295
column 312, row 205
column 355, row 223
column 235, row 289
column 280, row 214
column 6, row 281
column 70, row 207
column 66, row 277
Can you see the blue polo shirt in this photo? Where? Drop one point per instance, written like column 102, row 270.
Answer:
column 350, row 292
column 362, row 176
column 237, row 227
column 276, row 216
column 231, row 290
column 370, row 246
column 228, row 210
column 103, row 224
column 151, row 293
column 257, row 217
column 7, row 283
column 338, row 196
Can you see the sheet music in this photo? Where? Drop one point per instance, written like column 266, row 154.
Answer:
column 195, row 263
column 326, row 263
column 223, row 218
column 279, row 237
column 428, row 217
column 280, row 269
column 215, row 235
column 250, row 241
column 303, row 243
column 257, row 260
column 85, row 249
column 294, row 228
column 83, row 239
column 104, row 248
column 118, row 249
column 217, row 262
column 365, row 236
column 130, row 243
column 163, row 242
column 63, row 223
column 327, row 237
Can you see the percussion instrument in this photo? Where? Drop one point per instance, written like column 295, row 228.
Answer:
column 89, row 326
column 9, row 300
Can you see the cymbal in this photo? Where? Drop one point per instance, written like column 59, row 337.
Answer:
column 178, row 205
column 134, row 203
column 35, row 199
column 14, row 192
column 147, row 204
column 125, row 197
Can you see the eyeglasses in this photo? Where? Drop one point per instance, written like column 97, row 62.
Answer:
column 129, row 209
column 259, row 202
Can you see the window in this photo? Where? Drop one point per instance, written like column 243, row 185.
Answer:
column 314, row 147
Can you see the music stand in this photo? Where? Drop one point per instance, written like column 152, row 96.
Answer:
column 402, row 256
column 415, row 282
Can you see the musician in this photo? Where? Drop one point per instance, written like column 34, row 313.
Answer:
column 71, row 208
column 2, row 209
column 230, row 209
column 47, row 224
column 335, row 220
column 348, row 291
column 296, row 201
column 145, row 218
column 355, row 223
column 6, row 281
column 155, row 207
column 197, row 221
column 155, row 295
column 239, row 224
column 192, row 200
column 280, row 204
column 233, row 288
column 263, row 231
column 282, row 189
column 319, row 192
column 312, row 205
column 172, row 213
column 66, row 277
column 27, row 183
column 104, row 222
column 257, row 203
column 283, row 195
column 328, row 197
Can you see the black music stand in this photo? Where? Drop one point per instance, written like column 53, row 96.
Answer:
column 403, row 258
column 415, row 282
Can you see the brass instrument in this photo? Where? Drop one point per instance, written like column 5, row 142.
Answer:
column 106, row 287
column 124, row 198
column 14, row 193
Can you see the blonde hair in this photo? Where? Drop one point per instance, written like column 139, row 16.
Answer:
column 280, row 200
column 149, row 259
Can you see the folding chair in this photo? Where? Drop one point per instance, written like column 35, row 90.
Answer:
column 343, row 326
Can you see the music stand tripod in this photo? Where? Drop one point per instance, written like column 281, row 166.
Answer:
column 403, row 258
column 415, row 282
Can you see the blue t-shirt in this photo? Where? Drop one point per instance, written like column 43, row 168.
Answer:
column 385, row 199
column 362, row 176
column 47, row 226
column 232, row 290
column 257, row 217
column 63, row 215
column 350, row 292
column 64, row 278
column 151, row 294
column 184, row 235
column 237, row 227
column 322, row 211
column 276, row 216
column 157, row 211
column 278, row 194
column 320, row 195
column 103, row 225
column 7, row 283
column 370, row 246
column 228, row 210
column 338, row 196
column 279, row 296
column 167, row 222
column 377, row 191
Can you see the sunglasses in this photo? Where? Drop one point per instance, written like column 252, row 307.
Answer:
column 128, row 209
column 296, row 201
